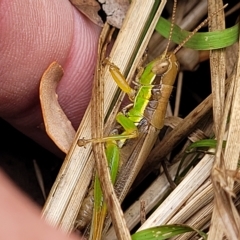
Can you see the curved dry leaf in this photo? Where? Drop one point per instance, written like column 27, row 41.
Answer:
column 115, row 10
column 90, row 9
column 57, row 125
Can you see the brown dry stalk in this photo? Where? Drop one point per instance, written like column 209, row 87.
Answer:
column 225, row 219
column 98, row 148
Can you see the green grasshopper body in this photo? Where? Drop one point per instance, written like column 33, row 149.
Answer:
column 153, row 93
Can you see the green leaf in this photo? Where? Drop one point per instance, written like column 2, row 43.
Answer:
column 165, row 232
column 200, row 41
column 208, row 143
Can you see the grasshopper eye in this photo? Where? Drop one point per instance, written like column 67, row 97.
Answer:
column 161, row 67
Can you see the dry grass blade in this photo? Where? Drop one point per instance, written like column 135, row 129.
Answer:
column 99, row 149
column 222, row 183
column 218, row 66
column 201, row 219
column 200, row 198
column 224, row 214
column 39, row 178
column 182, row 193
column 57, row 125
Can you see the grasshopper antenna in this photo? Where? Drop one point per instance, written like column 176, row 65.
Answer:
column 196, row 29
column 172, row 25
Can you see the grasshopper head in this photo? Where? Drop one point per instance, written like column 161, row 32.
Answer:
column 165, row 63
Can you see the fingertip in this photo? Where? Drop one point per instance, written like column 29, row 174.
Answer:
column 21, row 219
column 74, row 89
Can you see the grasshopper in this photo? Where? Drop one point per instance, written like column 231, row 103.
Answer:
column 141, row 121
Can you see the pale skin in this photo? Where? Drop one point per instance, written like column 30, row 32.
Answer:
column 34, row 34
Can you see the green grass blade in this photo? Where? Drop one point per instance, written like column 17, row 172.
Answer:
column 206, row 143
column 165, row 232
column 200, row 41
